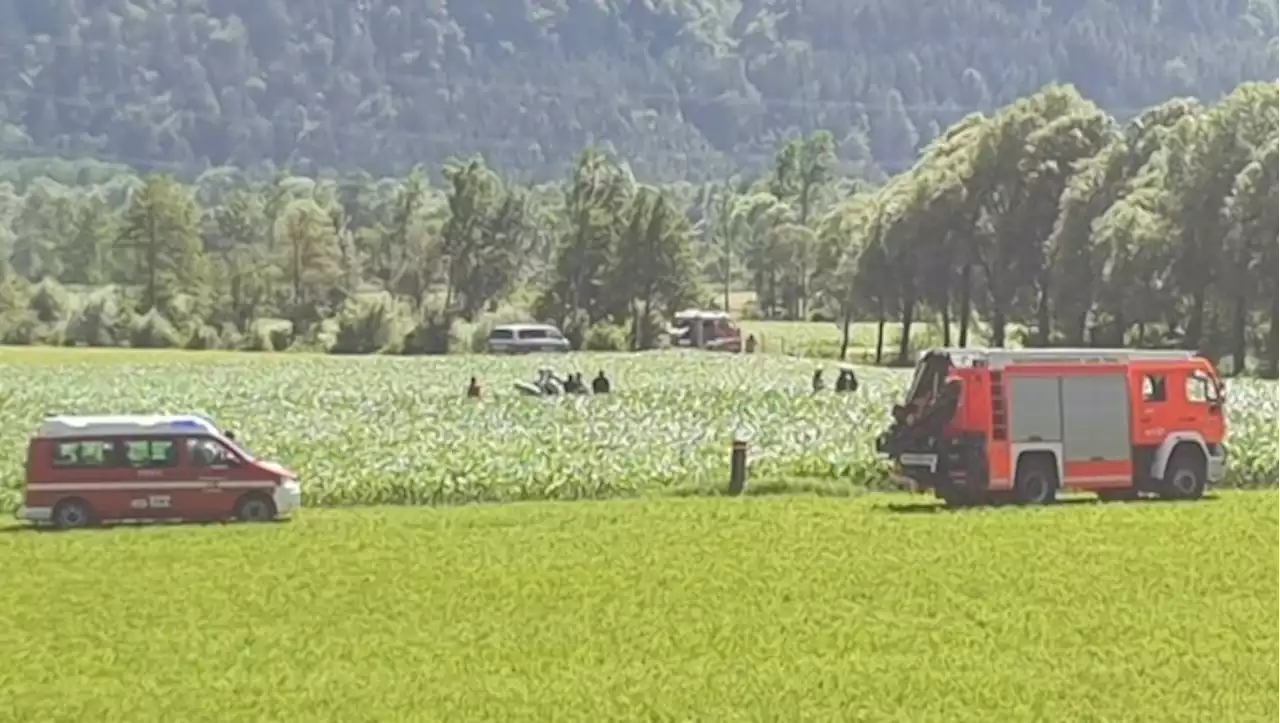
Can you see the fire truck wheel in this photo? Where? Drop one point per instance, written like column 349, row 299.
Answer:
column 255, row 507
column 1184, row 479
column 1036, row 482
column 955, row 498
column 72, row 513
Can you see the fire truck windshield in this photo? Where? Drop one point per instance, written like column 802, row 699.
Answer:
column 930, row 374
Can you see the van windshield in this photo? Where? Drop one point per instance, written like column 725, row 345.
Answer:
column 240, row 448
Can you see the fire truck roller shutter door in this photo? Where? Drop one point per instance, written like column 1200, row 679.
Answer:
column 1035, row 418
column 1096, row 445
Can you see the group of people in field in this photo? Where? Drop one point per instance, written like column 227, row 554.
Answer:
column 846, row 381
column 548, row 384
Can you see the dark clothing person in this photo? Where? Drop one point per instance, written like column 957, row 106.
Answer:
column 600, row 385
column 574, row 384
column 817, row 381
column 473, row 389
column 846, row 382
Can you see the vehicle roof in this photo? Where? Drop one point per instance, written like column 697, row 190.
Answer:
column 1000, row 358
column 124, row 425
column 524, row 327
column 701, row 314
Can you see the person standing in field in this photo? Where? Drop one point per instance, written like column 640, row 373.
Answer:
column 818, row 384
column 600, row 385
column 847, row 381
column 570, row 386
column 473, row 389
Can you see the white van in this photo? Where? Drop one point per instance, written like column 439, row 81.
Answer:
column 525, row 338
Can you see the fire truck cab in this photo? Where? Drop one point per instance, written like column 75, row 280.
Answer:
column 985, row 425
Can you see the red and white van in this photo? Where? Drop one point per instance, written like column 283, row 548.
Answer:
column 85, row 470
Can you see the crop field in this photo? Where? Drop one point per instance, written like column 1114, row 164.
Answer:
column 399, row 430
column 757, row 609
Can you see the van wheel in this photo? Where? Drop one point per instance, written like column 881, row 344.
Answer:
column 255, row 508
column 1036, row 482
column 70, row 514
column 1185, row 477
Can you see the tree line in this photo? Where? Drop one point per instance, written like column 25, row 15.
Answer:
column 1046, row 218
column 682, row 88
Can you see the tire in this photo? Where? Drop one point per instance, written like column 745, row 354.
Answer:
column 255, row 507
column 71, row 514
column 1036, row 482
column 1186, row 476
column 957, row 497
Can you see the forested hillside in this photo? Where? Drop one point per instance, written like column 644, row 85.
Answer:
column 682, row 89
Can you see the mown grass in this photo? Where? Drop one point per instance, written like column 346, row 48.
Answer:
column 779, row 609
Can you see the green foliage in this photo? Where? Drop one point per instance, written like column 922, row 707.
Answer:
column 101, row 321
column 269, row 335
column 1045, row 215
column 371, row 324
column 680, row 88
column 153, row 331
column 434, row 333
column 603, row 336
column 665, row 429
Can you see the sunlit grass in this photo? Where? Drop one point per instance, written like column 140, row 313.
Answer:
column 784, row 609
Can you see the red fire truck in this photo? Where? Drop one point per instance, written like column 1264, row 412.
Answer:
column 986, row 425
column 712, row 330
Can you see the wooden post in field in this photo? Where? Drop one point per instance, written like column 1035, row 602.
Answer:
column 738, row 468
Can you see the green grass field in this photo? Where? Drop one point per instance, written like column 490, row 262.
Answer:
column 756, row 609
column 816, row 608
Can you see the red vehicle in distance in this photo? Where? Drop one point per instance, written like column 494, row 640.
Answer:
column 711, row 330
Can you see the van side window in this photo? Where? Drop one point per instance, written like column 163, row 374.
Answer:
column 1154, row 388
column 500, row 334
column 151, row 453
column 82, row 454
